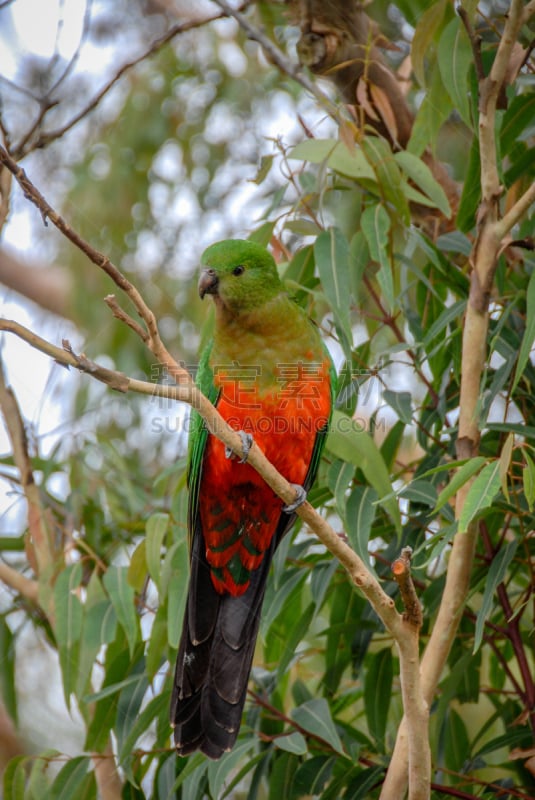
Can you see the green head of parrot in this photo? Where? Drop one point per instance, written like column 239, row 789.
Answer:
column 241, row 275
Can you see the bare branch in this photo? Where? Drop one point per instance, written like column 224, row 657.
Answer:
column 515, row 213
column 121, row 315
column 20, row 583
column 401, row 570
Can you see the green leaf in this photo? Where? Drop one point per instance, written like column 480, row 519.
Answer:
column 15, row 779
column 68, row 628
column 528, row 480
column 378, row 692
column 157, row 527
column 282, row 776
column 401, row 402
column 266, row 162
column 360, row 514
column 128, row 712
column 331, row 252
column 428, row 24
column 8, row 691
column 471, row 194
column 338, row 478
column 137, row 569
column 455, row 60
column 422, row 176
column 336, row 155
column 432, row 113
column 220, row 771
column 293, row 743
column 277, row 598
column 392, row 188
column 193, row 764
column 447, row 316
column 178, row 560
column 110, row 689
column 311, row 777
column 99, row 628
column 122, row 596
column 462, row 475
column 74, row 780
column 157, row 644
column 420, row 491
column 292, row 634
column 375, row 224
column 116, row 670
column 529, row 333
column 39, row 783
column 351, row 443
column 517, row 119
column 315, row 717
column 359, row 257
column 481, row 494
column 505, row 461
column 495, row 576
column 457, row 742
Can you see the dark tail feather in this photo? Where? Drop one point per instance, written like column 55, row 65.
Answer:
column 214, row 659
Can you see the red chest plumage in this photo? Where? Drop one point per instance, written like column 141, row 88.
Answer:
column 239, row 512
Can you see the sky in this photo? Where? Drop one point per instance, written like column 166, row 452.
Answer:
column 39, row 27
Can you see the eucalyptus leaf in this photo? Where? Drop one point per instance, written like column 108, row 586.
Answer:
column 348, row 441
column 495, row 576
column 455, row 61
column 481, row 494
column 122, row 597
column 315, row 717
column 375, row 224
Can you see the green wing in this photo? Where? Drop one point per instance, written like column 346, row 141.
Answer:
column 198, row 436
column 322, row 434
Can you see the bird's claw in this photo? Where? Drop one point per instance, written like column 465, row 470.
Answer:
column 300, row 498
column 246, row 443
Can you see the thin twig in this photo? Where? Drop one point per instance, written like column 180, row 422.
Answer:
column 277, row 57
column 475, row 41
column 515, row 213
column 182, row 27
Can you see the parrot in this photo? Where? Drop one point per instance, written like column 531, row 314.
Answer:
column 269, row 374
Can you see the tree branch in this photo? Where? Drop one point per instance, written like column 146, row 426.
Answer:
column 20, row 583
column 474, row 353
column 515, row 213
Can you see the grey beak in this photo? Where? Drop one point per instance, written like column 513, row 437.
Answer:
column 208, row 282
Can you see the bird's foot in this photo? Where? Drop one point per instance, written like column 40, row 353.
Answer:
column 246, row 443
column 300, row 498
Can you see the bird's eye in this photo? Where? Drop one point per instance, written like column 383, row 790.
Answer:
column 239, row 270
